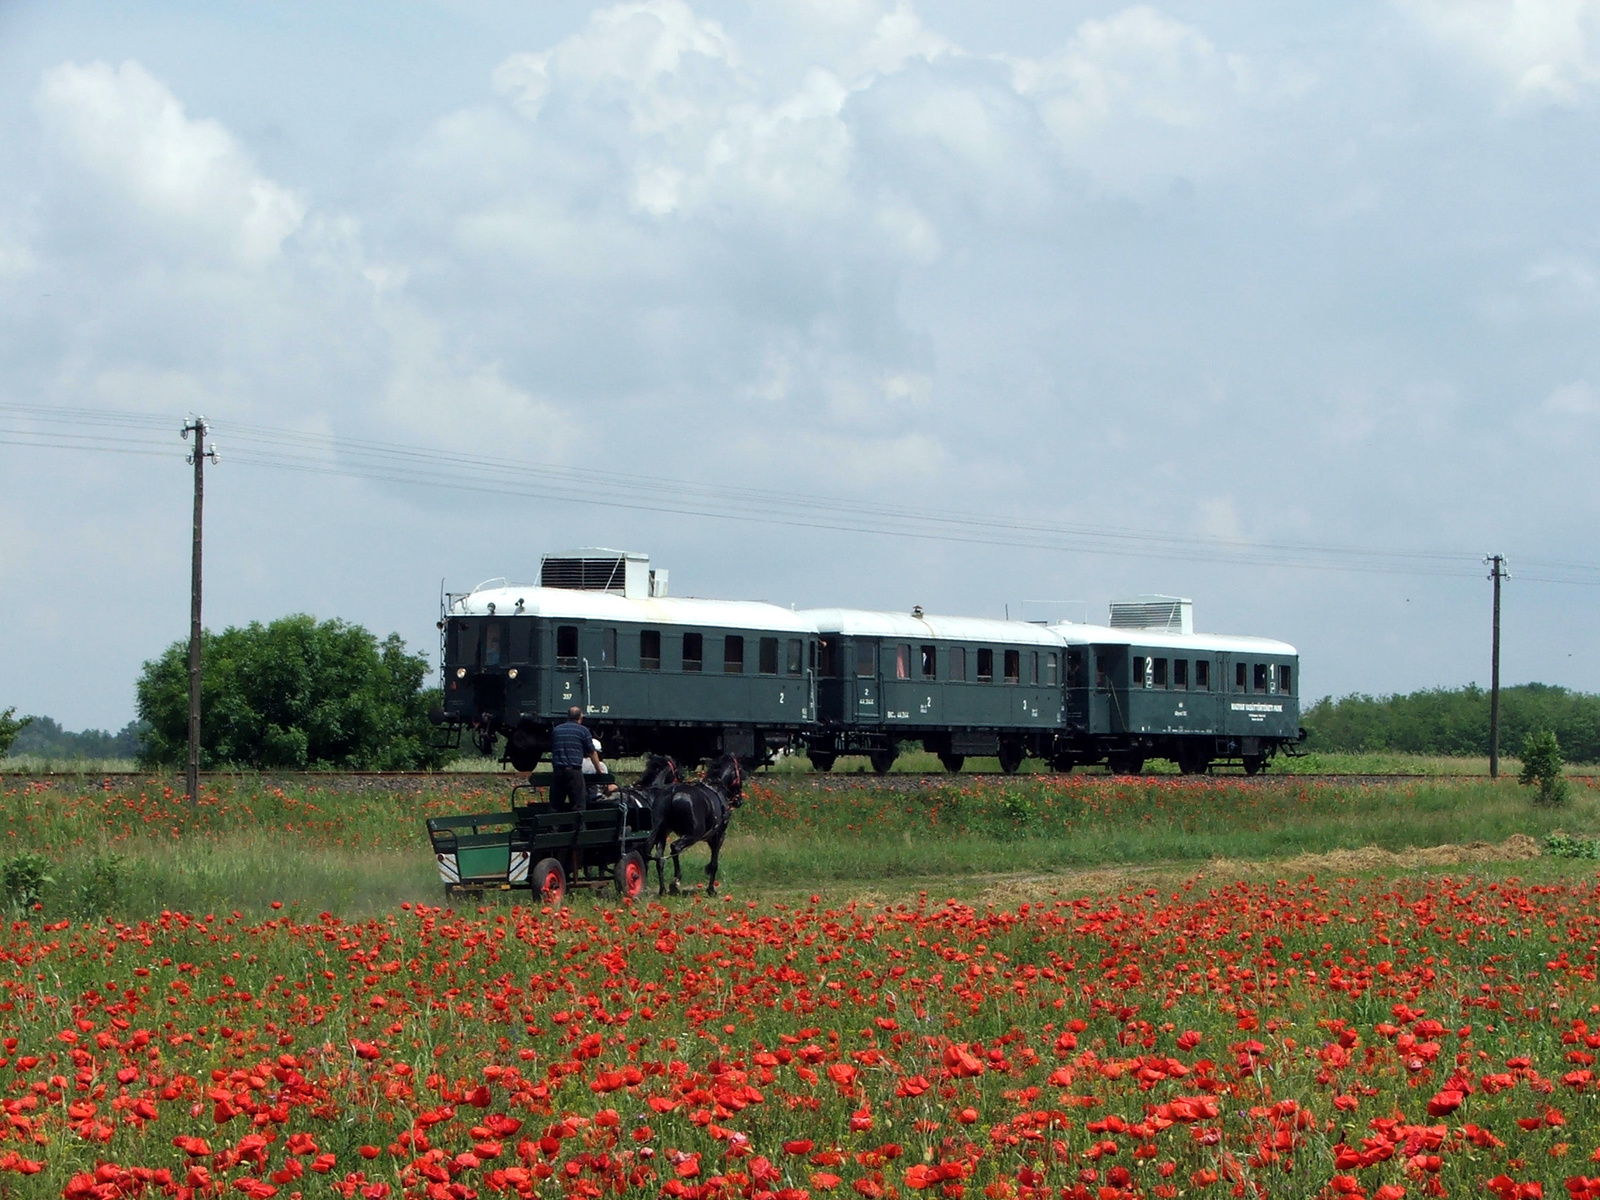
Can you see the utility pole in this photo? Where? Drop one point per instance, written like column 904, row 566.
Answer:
column 198, row 457
column 1497, row 573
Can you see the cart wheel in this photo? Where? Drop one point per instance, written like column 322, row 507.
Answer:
column 821, row 761
column 549, row 882
column 882, row 760
column 952, row 762
column 629, row 876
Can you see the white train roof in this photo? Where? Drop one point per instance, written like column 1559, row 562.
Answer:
column 1160, row 639
column 856, row 622
column 511, row 601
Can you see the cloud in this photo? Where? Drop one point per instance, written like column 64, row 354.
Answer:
column 1546, row 51
column 122, row 128
column 1135, row 94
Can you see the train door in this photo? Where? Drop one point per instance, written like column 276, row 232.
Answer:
column 868, row 690
column 1109, row 700
column 1077, row 689
column 567, row 658
column 832, row 686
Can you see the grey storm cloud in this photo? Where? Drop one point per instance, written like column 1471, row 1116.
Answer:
column 1248, row 276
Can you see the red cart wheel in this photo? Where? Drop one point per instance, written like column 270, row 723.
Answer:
column 630, row 874
column 549, row 882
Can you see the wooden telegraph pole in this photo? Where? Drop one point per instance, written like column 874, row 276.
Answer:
column 1497, row 573
column 197, row 457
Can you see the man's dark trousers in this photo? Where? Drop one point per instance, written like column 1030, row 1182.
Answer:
column 567, row 788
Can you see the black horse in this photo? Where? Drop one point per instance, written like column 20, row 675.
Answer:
column 660, row 774
column 695, row 812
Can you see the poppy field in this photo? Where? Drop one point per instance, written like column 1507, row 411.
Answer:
column 1306, row 1037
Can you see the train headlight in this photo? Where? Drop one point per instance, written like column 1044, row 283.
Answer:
column 461, row 672
column 511, row 674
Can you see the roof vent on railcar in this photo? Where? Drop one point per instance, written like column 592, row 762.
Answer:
column 1169, row 614
column 619, row 572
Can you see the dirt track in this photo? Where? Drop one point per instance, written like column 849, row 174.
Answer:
column 1035, row 889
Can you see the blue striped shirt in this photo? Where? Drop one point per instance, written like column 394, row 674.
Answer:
column 570, row 745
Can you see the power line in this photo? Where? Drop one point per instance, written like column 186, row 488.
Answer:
column 414, row 466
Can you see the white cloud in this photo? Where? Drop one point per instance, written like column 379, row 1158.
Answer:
column 1545, row 50
column 1135, row 94
column 1575, row 399
column 122, row 127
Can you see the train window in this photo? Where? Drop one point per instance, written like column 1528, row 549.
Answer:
column 733, row 655
column 767, row 664
column 463, row 644
column 566, row 647
column 608, row 648
column 1180, row 672
column 1013, row 665
column 1102, row 671
column 1033, row 667
column 1158, row 672
column 1261, row 677
column 1077, row 669
column 1139, row 678
column 650, row 649
column 958, row 662
column 902, row 662
column 494, row 643
column 1283, row 679
column 1241, row 682
column 930, row 662
column 866, row 659
column 829, row 656
column 517, row 640
column 797, row 656
column 985, row 666
column 694, row 650
column 1202, row 674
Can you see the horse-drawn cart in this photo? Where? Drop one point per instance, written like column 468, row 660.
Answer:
column 544, row 850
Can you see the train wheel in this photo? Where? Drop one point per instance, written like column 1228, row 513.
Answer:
column 822, row 761
column 882, row 760
column 629, row 876
column 1124, row 764
column 952, row 762
column 1254, row 764
column 549, row 882
column 1064, row 765
column 1010, row 757
column 1193, row 764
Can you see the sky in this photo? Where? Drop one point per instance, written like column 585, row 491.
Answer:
column 1287, row 309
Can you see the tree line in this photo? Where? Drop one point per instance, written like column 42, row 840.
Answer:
column 1455, row 721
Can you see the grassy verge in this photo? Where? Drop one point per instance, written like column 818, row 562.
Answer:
column 359, row 848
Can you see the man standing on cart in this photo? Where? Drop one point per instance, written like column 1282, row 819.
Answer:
column 570, row 745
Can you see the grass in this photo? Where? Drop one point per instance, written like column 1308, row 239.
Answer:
column 358, row 847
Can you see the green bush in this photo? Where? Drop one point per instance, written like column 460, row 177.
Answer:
column 100, row 890
column 23, row 879
column 1564, row 845
column 1541, row 766
column 9, row 728
column 292, row 695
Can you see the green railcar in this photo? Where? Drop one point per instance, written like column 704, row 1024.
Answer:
column 1137, row 692
column 686, row 677
column 958, row 685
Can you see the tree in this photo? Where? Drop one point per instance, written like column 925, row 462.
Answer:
column 1541, row 764
column 294, row 694
column 9, row 728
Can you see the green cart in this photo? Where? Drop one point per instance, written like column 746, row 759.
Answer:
column 542, row 850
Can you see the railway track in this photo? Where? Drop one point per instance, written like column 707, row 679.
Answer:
column 893, row 779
